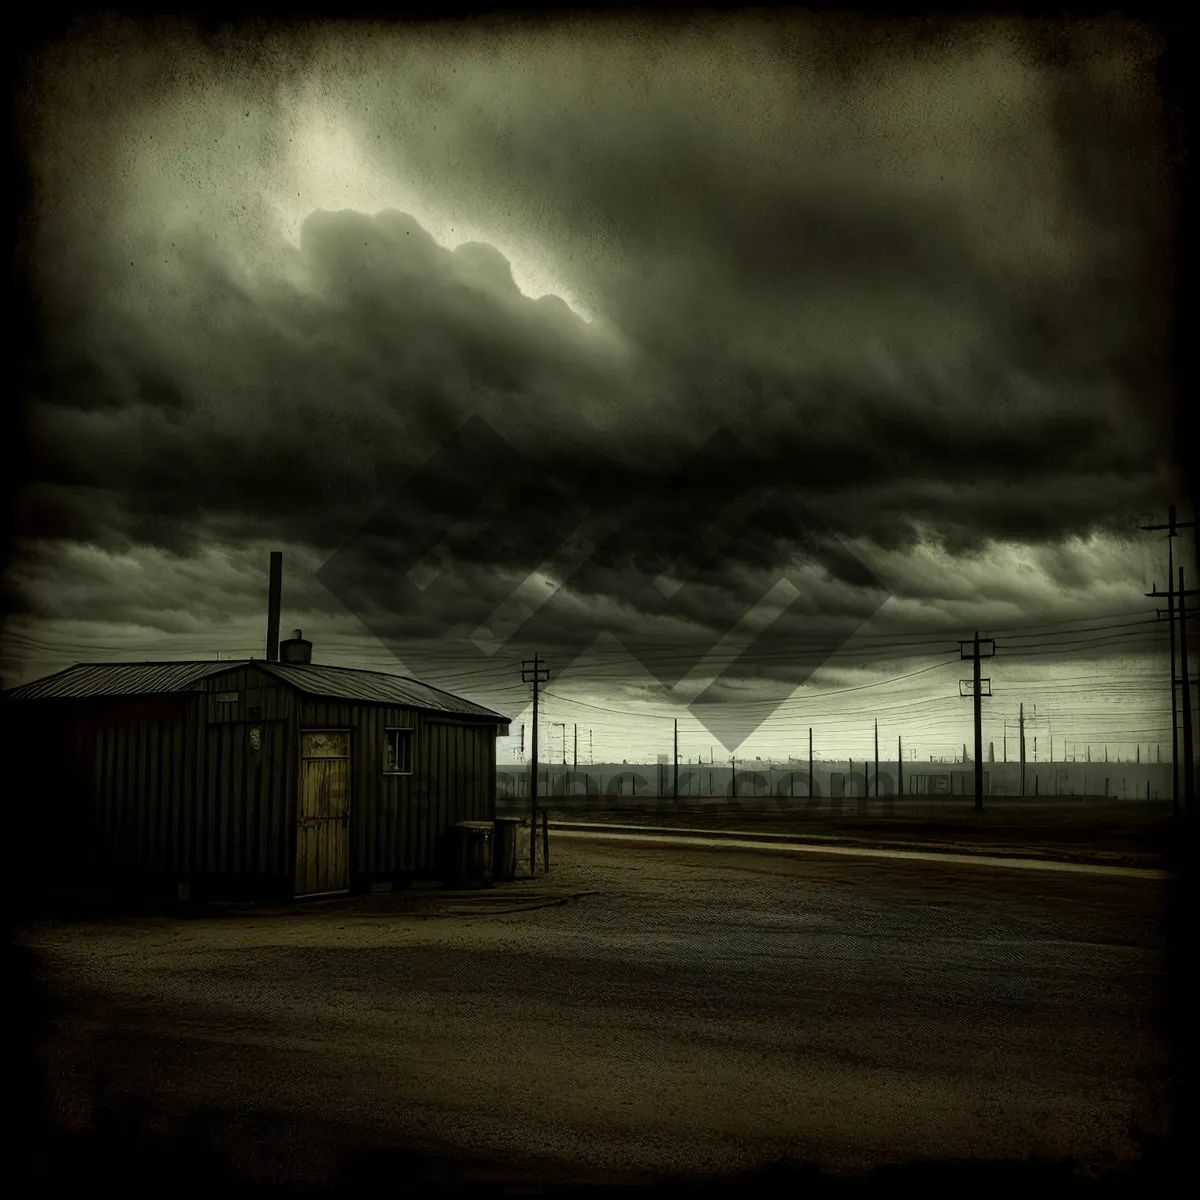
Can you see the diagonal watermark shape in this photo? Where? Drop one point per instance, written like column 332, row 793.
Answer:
column 764, row 614
column 718, row 535
column 668, row 561
column 540, row 585
column 424, row 573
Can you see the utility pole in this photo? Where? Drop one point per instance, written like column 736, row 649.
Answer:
column 1172, row 527
column 534, row 672
column 675, row 781
column 899, row 766
column 1189, row 764
column 810, row 763
column 1177, row 610
column 1022, row 720
column 877, row 758
column 575, row 756
column 976, row 654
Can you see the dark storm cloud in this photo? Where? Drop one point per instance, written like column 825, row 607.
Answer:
column 921, row 283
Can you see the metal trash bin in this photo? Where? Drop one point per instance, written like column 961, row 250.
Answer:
column 471, row 853
column 504, row 849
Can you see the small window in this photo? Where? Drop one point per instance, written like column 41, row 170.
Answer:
column 227, row 697
column 397, row 754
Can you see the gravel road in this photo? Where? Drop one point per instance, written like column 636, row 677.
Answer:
column 706, row 1011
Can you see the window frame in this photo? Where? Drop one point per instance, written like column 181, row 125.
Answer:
column 407, row 731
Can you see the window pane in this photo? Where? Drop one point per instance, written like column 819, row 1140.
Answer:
column 398, row 753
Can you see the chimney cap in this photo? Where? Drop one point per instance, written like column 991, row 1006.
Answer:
column 296, row 650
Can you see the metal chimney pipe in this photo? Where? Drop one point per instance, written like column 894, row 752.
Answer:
column 273, row 604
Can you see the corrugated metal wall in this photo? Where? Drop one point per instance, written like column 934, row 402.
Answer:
column 192, row 797
column 380, row 805
column 460, row 765
column 143, row 787
column 398, row 823
column 173, row 786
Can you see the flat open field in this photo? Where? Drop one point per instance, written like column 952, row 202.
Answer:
column 703, row 1013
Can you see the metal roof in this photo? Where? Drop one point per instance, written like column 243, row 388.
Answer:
column 377, row 687
column 85, row 680
column 88, row 680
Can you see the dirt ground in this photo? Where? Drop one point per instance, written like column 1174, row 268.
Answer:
column 703, row 1012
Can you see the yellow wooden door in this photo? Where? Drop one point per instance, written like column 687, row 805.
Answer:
column 323, row 835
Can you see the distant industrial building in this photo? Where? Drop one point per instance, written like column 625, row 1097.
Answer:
column 832, row 781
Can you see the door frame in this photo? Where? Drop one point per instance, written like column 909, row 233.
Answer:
column 348, row 730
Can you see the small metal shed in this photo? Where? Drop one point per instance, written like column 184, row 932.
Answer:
column 248, row 779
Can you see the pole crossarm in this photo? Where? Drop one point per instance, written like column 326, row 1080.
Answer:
column 967, row 650
column 969, row 685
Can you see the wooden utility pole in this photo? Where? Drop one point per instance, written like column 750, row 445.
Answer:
column 976, row 655
column 877, row 758
column 1177, row 610
column 536, row 673
column 1189, row 762
column 1172, row 528
column 675, row 781
column 1022, row 734
column 899, row 766
column 575, row 756
column 810, row 763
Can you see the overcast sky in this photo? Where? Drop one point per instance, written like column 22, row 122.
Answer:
column 907, row 301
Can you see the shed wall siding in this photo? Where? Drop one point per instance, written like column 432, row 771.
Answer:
column 190, row 797
column 168, row 786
